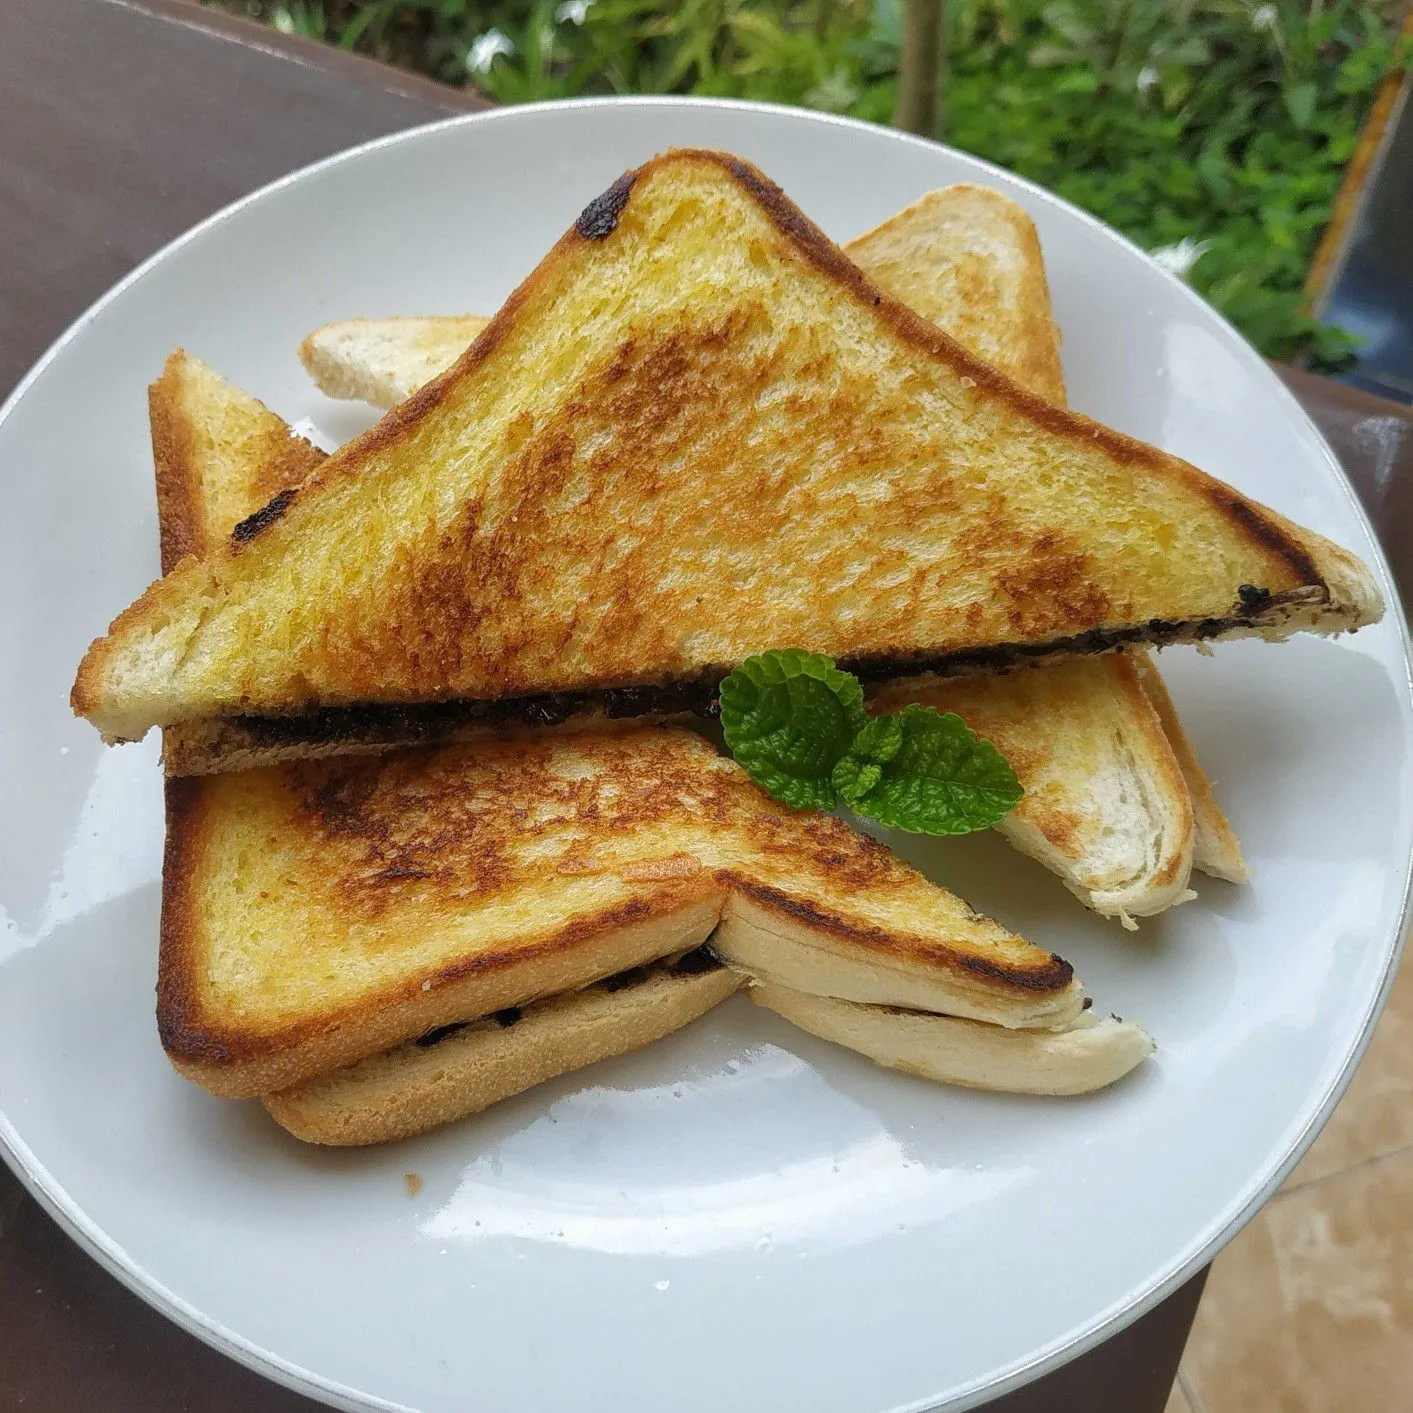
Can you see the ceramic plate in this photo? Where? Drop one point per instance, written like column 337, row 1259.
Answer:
column 740, row 1217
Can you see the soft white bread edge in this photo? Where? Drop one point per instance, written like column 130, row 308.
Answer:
column 1079, row 1058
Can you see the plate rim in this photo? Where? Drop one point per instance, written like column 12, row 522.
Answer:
column 58, row 1204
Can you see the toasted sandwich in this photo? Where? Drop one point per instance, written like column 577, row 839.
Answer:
column 1104, row 805
column 861, row 486
column 375, row 946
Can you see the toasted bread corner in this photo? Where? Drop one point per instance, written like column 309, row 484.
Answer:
column 977, row 251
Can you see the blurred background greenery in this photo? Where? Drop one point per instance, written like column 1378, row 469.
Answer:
column 1214, row 132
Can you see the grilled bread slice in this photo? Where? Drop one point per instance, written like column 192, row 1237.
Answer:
column 320, row 912
column 860, row 485
column 483, row 839
column 1078, row 1058
column 460, row 1070
column 1216, row 849
column 969, row 259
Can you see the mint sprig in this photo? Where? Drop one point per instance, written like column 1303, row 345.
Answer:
column 799, row 727
column 942, row 778
column 788, row 717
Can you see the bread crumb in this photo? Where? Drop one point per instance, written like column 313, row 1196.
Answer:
column 661, row 870
column 413, row 1183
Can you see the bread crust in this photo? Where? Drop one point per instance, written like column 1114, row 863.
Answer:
column 769, row 933
column 1216, row 848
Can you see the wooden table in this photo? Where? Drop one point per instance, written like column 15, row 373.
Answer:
column 123, row 122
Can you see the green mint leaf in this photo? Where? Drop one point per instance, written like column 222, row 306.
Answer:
column 943, row 779
column 854, row 778
column 880, row 740
column 788, row 717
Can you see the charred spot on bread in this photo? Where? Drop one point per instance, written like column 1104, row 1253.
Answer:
column 266, row 516
column 599, row 219
column 1252, row 597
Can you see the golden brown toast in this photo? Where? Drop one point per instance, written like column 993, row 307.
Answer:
column 202, row 427
column 968, row 259
column 319, row 912
column 862, row 486
column 1104, row 805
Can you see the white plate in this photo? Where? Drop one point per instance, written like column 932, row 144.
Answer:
column 741, row 1217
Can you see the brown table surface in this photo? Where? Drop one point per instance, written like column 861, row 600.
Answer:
column 123, row 122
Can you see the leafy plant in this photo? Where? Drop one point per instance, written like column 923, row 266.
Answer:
column 1217, row 130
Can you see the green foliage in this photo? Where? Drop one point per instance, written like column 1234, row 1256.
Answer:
column 1223, row 123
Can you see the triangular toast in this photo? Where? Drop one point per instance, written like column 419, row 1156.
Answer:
column 860, row 486
column 320, row 912
column 384, row 361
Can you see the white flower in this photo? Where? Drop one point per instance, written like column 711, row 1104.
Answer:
column 572, row 12
column 1265, row 17
column 486, row 49
column 1147, row 77
column 1180, row 258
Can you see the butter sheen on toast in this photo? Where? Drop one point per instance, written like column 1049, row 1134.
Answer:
column 893, row 501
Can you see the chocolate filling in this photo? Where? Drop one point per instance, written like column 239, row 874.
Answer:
column 697, row 962
column 694, row 963
column 432, row 721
